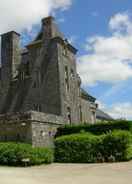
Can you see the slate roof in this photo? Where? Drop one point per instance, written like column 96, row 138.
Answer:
column 102, row 115
column 87, row 96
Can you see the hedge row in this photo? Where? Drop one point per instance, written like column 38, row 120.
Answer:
column 88, row 148
column 96, row 129
column 18, row 154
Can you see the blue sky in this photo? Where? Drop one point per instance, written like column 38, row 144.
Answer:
column 102, row 33
column 85, row 20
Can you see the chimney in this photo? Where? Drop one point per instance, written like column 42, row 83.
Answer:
column 50, row 28
column 10, row 55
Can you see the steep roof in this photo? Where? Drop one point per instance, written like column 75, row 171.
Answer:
column 87, row 96
column 102, row 115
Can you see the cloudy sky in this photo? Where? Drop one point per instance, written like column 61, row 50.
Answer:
column 100, row 30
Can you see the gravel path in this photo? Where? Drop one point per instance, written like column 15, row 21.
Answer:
column 117, row 173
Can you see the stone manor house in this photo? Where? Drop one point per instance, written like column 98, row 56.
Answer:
column 40, row 88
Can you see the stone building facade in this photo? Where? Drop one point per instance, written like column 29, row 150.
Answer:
column 41, row 80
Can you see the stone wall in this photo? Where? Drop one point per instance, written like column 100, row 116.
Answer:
column 44, row 127
column 69, row 89
column 88, row 111
column 10, row 60
column 31, row 127
column 15, row 127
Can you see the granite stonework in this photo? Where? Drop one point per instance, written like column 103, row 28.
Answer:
column 42, row 78
column 31, row 127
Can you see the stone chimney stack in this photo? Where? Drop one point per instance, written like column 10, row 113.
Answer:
column 50, row 28
column 10, row 55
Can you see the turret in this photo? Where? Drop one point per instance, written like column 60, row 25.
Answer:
column 10, row 55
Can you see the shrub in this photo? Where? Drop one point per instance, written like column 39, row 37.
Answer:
column 116, row 144
column 96, row 129
column 88, row 148
column 41, row 155
column 14, row 154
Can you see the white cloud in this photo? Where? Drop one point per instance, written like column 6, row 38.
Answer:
column 121, row 23
column 108, row 58
column 64, row 4
column 18, row 14
column 118, row 110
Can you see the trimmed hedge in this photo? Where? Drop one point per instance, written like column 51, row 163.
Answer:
column 88, row 148
column 96, row 129
column 18, row 154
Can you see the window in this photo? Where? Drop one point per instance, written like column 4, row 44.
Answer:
column 27, row 69
column 80, row 112
column 93, row 117
column 65, row 51
column 37, row 107
column 22, row 75
column 66, row 79
column 72, row 73
column 69, row 114
column 5, row 138
column 0, row 73
column 18, row 137
column 42, row 133
column 34, row 84
column 37, row 80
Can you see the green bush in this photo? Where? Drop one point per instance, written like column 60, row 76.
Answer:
column 15, row 154
column 88, row 148
column 96, row 129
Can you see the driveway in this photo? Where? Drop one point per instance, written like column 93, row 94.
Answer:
column 117, row 173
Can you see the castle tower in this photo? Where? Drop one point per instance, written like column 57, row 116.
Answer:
column 46, row 80
column 10, row 56
column 62, row 81
column 62, row 89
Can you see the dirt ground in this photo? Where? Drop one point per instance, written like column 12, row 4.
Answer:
column 117, row 173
